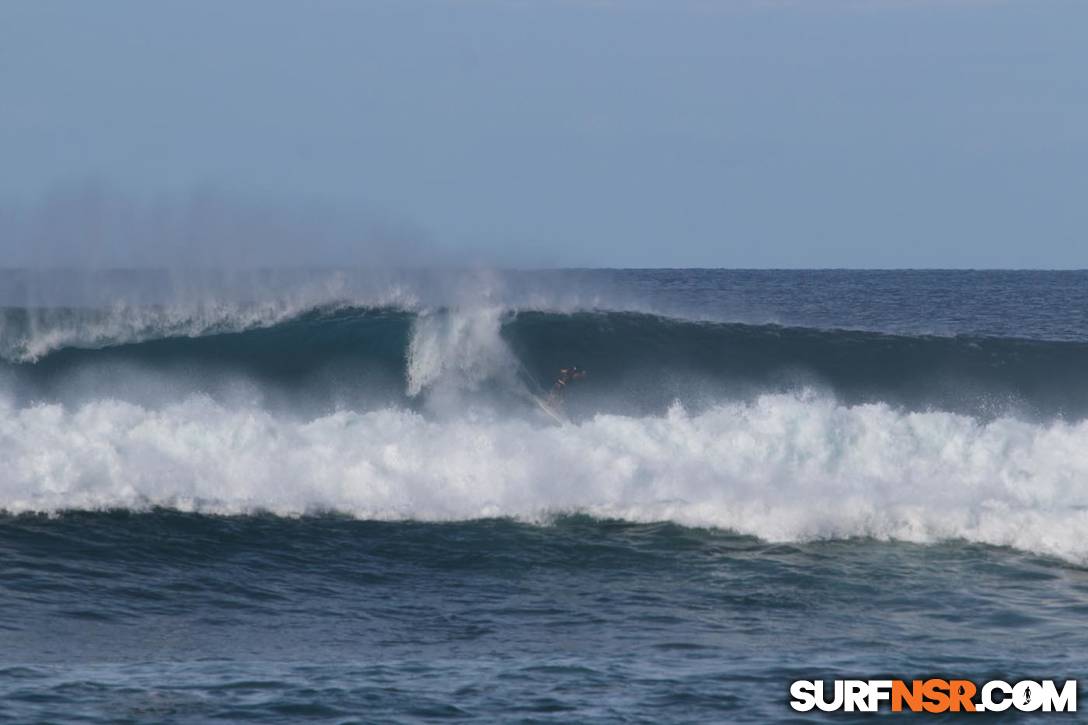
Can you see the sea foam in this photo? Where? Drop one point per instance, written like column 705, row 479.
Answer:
column 782, row 467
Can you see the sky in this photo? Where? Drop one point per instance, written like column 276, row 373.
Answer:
column 616, row 133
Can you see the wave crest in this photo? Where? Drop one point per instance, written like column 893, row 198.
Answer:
column 638, row 362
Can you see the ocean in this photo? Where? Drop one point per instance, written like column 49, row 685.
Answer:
column 332, row 495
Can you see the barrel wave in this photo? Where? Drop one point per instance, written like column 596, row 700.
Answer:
column 640, row 363
column 394, row 413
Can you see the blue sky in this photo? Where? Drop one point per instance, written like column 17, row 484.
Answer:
column 736, row 133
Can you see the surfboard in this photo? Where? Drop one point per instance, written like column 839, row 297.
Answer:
column 548, row 410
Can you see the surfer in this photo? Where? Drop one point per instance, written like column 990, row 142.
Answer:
column 566, row 375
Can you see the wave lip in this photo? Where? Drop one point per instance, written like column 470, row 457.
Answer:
column 783, row 468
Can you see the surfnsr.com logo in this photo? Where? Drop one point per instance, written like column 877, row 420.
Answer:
column 933, row 695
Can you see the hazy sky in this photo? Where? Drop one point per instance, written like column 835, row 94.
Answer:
column 811, row 133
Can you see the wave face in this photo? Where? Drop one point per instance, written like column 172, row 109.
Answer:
column 640, row 363
column 402, row 406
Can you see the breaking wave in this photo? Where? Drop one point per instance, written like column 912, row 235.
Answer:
column 782, row 467
column 391, row 407
column 639, row 362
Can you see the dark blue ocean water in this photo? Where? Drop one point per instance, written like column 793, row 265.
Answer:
column 331, row 497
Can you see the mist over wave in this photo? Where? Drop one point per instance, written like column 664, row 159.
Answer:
column 784, row 468
column 45, row 311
